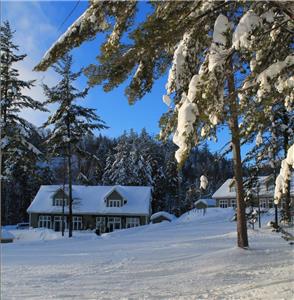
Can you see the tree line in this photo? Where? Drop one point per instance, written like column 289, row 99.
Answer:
column 66, row 151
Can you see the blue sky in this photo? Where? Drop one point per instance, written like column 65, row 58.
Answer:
column 37, row 26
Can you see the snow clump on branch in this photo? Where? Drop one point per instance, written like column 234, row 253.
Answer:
column 203, row 182
column 283, row 178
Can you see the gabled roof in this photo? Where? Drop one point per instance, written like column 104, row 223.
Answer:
column 224, row 190
column 90, row 200
column 266, row 191
column 117, row 188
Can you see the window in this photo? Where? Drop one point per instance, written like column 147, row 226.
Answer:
column 223, row 203
column 263, row 203
column 233, row 203
column 133, row 222
column 58, row 201
column 114, row 223
column 232, row 188
column 58, row 223
column 270, row 203
column 44, row 221
column 77, row 223
column 100, row 224
column 114, row 203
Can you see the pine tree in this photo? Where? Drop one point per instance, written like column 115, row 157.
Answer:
column 128, row 166
column 273, row 140
column 229, row 60
column 17, row 151
column 70, row 122
column 172, row 180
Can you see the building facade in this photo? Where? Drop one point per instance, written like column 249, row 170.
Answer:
column 262, row 193
column 105, row 208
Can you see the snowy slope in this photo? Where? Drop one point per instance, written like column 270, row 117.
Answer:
column 194, row 257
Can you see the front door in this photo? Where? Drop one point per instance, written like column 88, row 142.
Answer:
column 58, row 223
column 114, row 223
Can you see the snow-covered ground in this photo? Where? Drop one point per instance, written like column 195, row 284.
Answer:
column 193, row 257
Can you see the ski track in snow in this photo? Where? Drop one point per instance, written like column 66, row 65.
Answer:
column 194, row 257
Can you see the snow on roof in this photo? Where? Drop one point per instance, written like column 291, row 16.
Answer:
column 164, row 214
column 91, row 200
column 6, row 235
column 208, row 202
column 266, row 187
column 225, row 191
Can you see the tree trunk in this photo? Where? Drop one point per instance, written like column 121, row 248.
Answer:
column 63, row 197
column 3, row 131
column 70, row 200
column 286, row 146
column 242, row 240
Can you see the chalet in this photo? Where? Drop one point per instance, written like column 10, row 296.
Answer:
column 105, row 208
column 225, row 196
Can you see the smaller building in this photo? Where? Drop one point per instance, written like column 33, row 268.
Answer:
column 205, row 203
column 162, row 216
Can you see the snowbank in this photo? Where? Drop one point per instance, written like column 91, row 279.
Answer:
column 212, row 214
column 6, row 235
column 36, row 234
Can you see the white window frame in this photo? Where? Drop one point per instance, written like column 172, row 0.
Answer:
column 233, row 203
column 44, row 221
column 132, row 222
column 114, row 203
column 59, row 219
column 58, row 201
column 223, row 203
column 263, row 203
column 270, row 203
column 113, row 221
column 100, row 223
column 77, row 223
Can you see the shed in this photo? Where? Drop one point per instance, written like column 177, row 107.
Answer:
column 204, row 203
column 162, row 216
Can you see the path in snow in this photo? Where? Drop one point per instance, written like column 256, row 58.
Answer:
column 194, row 257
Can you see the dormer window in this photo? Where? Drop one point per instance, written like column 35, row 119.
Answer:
column 114, row 203
column 114, row 199
column 60, row 199
column 232, row 186
column 269, row 183
column 59, row 202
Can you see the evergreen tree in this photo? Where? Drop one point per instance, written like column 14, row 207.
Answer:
column 272, row 143
column 229, row 60
column 17, row 151
column 128, row 166
column 172, row 179
column 70, row 122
